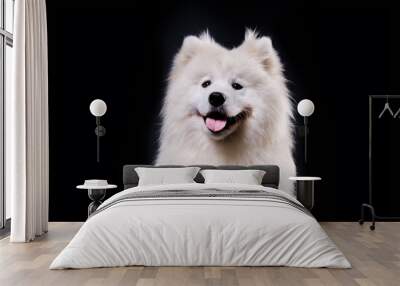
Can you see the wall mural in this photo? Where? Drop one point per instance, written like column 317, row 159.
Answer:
column 247, row 120
column 227, row 106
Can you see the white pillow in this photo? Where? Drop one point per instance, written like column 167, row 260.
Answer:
column 248, row 177
column 162, row 176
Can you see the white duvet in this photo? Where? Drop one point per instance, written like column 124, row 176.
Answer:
column 200, row 231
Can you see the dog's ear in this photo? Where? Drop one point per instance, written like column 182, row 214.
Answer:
column 191, row 45
column 261, row 48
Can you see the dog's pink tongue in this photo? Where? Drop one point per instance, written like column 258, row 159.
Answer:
column 215, row 125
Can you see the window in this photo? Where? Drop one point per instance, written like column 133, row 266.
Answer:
column 6, row 62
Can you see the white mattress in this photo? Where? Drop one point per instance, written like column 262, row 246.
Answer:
column 200, row 231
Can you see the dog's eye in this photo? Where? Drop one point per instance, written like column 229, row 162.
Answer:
column 206, row 83
column 236, row 86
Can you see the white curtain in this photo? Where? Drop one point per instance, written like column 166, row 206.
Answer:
column 27, row 124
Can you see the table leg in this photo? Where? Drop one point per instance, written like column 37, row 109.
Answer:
column 305, row 193
column 96, row 195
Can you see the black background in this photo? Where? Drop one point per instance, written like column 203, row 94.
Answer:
column 122, row 53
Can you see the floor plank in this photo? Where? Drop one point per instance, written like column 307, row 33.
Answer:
column 375, row 256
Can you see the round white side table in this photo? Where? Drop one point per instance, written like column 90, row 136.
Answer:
column 305, row 190
column 96, row 194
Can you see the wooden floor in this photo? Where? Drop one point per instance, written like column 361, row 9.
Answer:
column 375, row 257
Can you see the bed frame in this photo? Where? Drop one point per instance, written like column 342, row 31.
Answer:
column 271, row 177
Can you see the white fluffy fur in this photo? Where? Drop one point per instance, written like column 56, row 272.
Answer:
column 264, row 137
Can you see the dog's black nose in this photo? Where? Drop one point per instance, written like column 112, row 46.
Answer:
column 216, row 99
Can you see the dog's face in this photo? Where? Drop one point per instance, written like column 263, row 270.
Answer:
column 218, row 90
column 222, row 94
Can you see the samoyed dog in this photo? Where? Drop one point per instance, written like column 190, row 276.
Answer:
column 228, row 106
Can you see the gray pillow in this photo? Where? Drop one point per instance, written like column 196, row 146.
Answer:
column 247, row 177
column 162, row 176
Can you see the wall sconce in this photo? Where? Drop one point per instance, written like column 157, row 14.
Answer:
column 305, row 108
column 98, row 108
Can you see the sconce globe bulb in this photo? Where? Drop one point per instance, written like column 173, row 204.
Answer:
column 98, row 107
column 305, row 107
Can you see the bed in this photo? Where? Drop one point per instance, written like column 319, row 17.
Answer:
column 198, row 224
